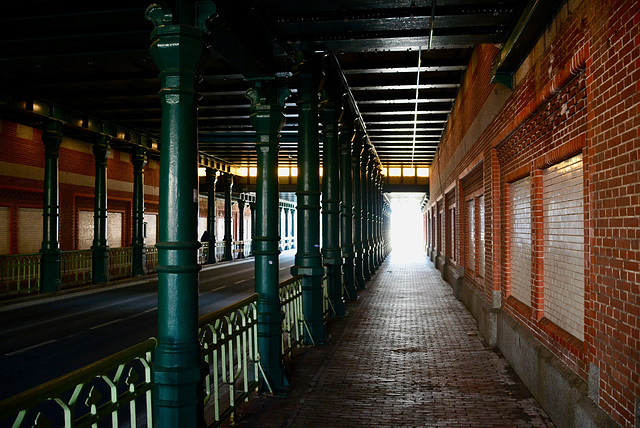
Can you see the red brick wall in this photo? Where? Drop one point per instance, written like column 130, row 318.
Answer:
column 578, row 91
column 22, row 147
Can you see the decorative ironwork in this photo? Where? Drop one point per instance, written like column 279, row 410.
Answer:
column 229, row 341
column 293, row 323
column 116, row 388
column 151, row 258
column 19, row 274
column 120, row 262
column 75, row 268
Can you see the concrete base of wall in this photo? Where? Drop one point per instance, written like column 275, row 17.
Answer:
column 559, row 390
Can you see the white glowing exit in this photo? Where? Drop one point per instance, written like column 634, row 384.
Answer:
column 406, row 223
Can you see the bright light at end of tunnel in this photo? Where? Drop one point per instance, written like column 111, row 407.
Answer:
column 406, row 227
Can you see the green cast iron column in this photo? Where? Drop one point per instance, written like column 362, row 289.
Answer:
column 50, row 253
column 374, row 219
column 346, row 187
column 267, row 117
column 364, row 193
column 370, row 218
column 100, row 247
column 241, row 228
column 379, row 218
column 178, row 52
column 139, row 160
column 212, row 178
column 252, row 206
column 331, row 251
column 308, row 260
column 228, row 236
column 357, row 209
column 285, row 229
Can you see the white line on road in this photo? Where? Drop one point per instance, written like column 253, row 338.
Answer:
column 105, row 324
column 30, row 347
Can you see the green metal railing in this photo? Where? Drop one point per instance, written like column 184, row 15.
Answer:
column 75, row 268
column 120, row 262
column 116, row 388
column 151, row 258
column 19, row 274
column 293, row 323
column 229, row 340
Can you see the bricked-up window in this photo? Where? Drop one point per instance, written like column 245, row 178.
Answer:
column 452, row 234
column 85, row 229
column 443, row 232
column 29, row 230
column 520, row 247
column 481, row 247
column 564, row 258
column 5, row 243
column 151, row 237
column 471, row 236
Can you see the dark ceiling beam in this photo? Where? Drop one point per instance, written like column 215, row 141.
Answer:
column 411, row 69
column 391, row 87
column 522, row 39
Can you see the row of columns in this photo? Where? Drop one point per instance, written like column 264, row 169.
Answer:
column 50, row 252
column 353, row 245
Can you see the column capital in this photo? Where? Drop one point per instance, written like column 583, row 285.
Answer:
column 139, row 159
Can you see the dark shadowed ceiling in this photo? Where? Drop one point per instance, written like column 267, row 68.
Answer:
column 403, row 60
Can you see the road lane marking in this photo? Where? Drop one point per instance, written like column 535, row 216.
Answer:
column 105, row 324
column 31, row 347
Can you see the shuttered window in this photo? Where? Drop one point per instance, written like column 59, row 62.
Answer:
column 29, row 230
column 114, row 229
column 5, row 243
column 471, row 236
column 564, row 258
column 481, row 246
column 520, row 247
column 152, row 223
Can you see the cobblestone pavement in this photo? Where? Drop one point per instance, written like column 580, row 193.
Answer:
column 407, row 354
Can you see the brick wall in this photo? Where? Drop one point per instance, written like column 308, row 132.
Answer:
column 22, row 175
column 577, row 93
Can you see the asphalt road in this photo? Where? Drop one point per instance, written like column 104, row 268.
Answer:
column 43, row 339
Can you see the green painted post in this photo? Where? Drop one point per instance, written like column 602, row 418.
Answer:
column 346, row 133
column 178, row 52
column 374, row 219
column 308, row 260
column 267, row 117
column 100, row 247
column 364, row 193
column 378, row 193
column 241, row 228
column 331, row 251
column 139, row 160
column 252, row 206
column 228, row 235
column 212, row 178
column 357, row 209
column 50, row 253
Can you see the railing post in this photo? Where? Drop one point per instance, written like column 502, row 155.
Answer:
column 228, row 236
column 241, row 228
column 100, row 247
column 212, row 178
column 331, row 201
column 308, row 260
column 346, row 186
column 139, row 160
column 50, row 251
column 179, row 53
column 267, row 117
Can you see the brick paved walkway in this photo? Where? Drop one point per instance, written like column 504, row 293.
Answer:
column 407, row 354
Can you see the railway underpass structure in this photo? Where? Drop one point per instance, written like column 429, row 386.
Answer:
column 139, row 138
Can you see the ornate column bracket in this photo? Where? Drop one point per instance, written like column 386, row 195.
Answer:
column 308, row 260
column 178, row 51
column 267, row 117
column 50, row 250
column 100, row 247
column 329, row 113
